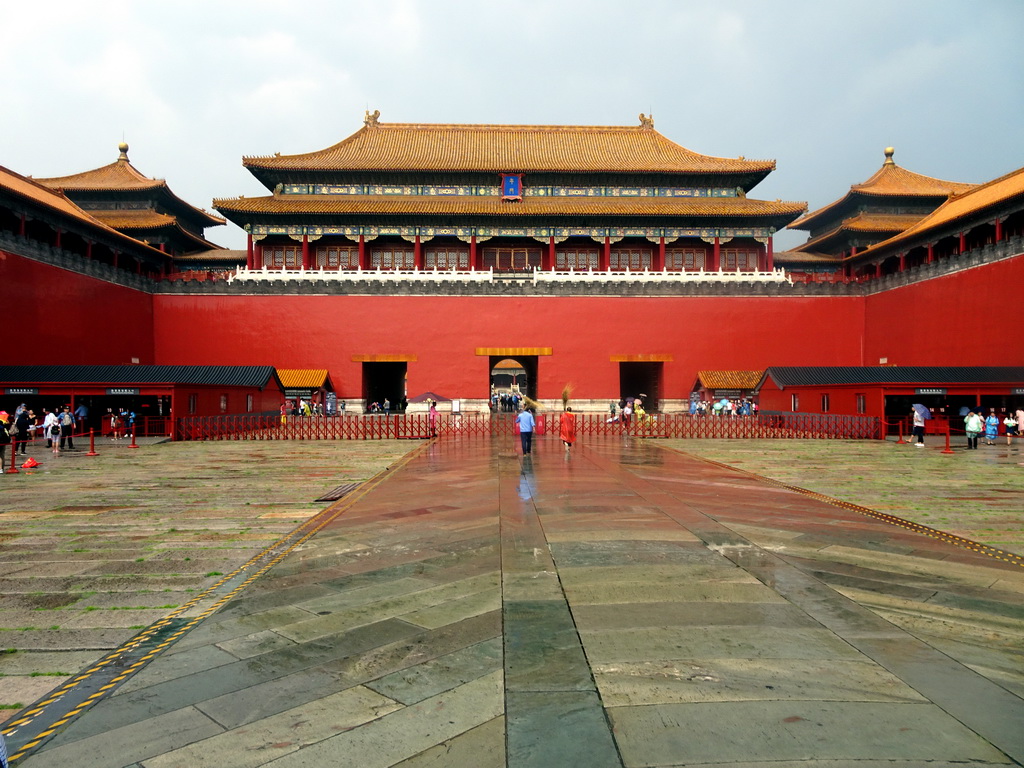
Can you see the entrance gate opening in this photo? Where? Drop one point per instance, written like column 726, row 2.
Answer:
column 513, row 374
column 384, row 380
column 636, row 379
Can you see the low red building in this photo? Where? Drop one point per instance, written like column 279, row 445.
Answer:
column 890, row 391
column 156, row 393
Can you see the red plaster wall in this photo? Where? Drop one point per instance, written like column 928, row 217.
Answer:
column 974, row 317
column 444, row 332
column 54, row 316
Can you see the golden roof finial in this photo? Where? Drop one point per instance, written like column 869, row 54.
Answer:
column 889, row 152
column 123, row 147
column 647, row 121
column 370, row 120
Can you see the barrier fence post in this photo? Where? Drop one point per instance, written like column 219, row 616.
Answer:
column 92, row 443
column 133, row 445
column 14, row 453
column 947, row 449
column 901, row 441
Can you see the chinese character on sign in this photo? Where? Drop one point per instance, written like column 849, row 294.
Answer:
column 511, row 186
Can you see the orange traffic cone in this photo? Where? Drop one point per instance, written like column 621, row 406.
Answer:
column 29, row 463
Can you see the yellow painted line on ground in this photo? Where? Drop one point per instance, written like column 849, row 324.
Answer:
column 322, row 519
column 949, row 538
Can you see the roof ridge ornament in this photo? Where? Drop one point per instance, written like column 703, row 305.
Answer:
column 889, row 152
column 371, row 118
column 647, row 121
column 123, row 148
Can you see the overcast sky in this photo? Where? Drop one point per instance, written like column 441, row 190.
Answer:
column 820, row 86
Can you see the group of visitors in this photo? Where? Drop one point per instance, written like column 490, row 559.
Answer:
column 508, row 402
column 723, row 407
column 976, row 424
column 24, row 426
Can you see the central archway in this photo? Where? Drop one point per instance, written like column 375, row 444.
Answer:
column 513, row 375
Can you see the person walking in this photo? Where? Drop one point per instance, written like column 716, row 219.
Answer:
column 5, row 439
column 991, row 427
column 526, row 424
column 919, row 413
column 67, row 428
column 973, row 426
column 567, row 428
column 23, row 426
column 432, row 418
column 1010, row 422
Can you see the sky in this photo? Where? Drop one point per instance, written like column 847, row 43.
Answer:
column 819, row 86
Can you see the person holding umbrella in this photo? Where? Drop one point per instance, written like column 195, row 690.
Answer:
column 921, row 413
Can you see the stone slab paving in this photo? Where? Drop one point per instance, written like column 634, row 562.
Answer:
column 625, row 605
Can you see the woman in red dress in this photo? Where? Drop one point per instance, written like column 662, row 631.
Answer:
column 567, row 428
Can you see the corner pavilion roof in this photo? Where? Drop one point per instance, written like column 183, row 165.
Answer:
column 878, row 223
column 510, row 149
column 963, row 207
column 122, row 176
column 889, row 181
column 31, row 190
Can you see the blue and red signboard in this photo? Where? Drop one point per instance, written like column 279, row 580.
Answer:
column 511, row 186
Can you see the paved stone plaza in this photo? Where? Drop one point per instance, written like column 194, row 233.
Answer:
column 628, row 605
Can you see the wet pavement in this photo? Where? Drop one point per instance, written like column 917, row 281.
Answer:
column 626, row 605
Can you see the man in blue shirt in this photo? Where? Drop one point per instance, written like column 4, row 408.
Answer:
column 526, row 423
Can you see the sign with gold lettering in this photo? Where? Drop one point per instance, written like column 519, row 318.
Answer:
column 511, row 186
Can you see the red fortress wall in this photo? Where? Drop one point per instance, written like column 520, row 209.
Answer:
column 443, row 333
column 55, row 316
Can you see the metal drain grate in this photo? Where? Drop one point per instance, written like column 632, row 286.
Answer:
column 338, row 492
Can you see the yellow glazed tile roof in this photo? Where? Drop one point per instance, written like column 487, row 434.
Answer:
column 494, row 206
column 964, row 207
column 729, row 379
column 508, row 148
column 889, row 181
column 34, row 191
column 866, row 222
column 122, row 176
column 302, row 378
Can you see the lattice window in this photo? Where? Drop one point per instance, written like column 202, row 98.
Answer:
column 743, row 259
column 635, row 259
column 512, row 258
column 447, row 258
column 577, row 258
column 282, row 256
column 685, row 259
column 337, row 257
column 393, row 258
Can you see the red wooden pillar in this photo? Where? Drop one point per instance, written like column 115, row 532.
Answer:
column 305, row 251
column 878, row 269
column 474, row 263
column 999, row 230
column 88, row 249
column 769, row 257
column 716, row 255
column 417, row 253
column 362, row 252
column 931, row 253
column 21, row 226
column 606, row 254
column 963, row 242
column 163, row 247
column 903, row 262
column 659, row 265
column 116, row 254
column 258, row 257
column 56, row 241
column 248, row 251
column 552, row 260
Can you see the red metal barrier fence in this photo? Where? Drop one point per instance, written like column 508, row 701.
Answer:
column 417, row 426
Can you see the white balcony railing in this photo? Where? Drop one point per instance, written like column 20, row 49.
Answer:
column 244, row 274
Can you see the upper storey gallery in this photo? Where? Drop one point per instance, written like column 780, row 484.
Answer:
column 508, row 197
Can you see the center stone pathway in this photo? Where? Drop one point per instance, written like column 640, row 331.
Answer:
column 623, row 606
